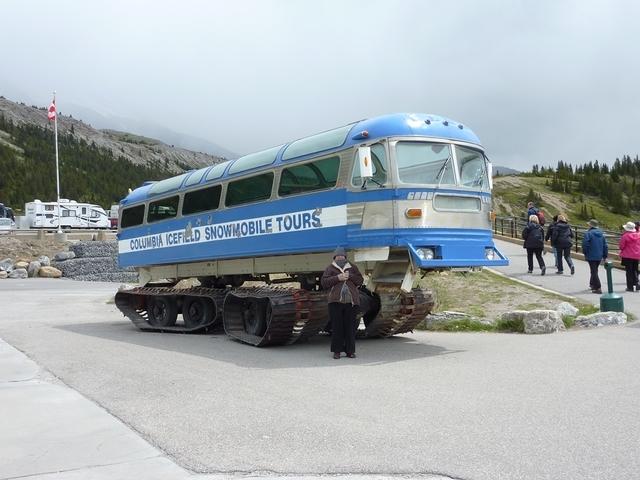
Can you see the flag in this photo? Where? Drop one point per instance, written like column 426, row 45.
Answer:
column 51, row 115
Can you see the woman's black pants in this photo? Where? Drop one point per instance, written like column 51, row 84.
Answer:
column 631, row 268
column 563, row 252
column 343, row 331
column 538, row 253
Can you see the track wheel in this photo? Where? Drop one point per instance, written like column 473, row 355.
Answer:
column 197, row 311
column 162, row 311
column 254, row 316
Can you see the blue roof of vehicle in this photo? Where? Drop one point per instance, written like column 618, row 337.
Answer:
column 393, row 125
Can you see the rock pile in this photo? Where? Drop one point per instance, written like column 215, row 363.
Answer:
column 23, row 268
column 94, row 262
column 88, row 261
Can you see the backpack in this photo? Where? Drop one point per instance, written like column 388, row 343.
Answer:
column 540, row 216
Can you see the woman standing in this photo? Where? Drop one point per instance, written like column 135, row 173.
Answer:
column 630, row 254
column 561, row 237
column 533, row 235
column 343, row 280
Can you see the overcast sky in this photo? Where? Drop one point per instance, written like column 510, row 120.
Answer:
column 538, row 81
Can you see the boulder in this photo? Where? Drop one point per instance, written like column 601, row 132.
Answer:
column 49, row 272
column 565, row 309
column 600, row 319
column 62, row 256
column 33, row 268
column 543, row 321
column 21, row 264
column 6, row 265
column 3, row 274
column 18, row 273
column 44, row 260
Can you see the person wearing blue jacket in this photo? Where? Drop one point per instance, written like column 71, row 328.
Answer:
column 595, row 249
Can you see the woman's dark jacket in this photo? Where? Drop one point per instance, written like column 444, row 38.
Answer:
column 533, row 235
column 330, row 281
column 562, row 235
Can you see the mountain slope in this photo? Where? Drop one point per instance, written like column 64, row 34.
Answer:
column 511, row 194
column 95, row 166
column 135, row 149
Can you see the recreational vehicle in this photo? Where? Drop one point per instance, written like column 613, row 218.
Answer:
column 71, row 215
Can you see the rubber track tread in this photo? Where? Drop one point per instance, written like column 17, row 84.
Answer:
column 132, row 303
column 400, row 312
column 294, row 315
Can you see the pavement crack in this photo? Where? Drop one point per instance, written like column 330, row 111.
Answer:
column 78, row 469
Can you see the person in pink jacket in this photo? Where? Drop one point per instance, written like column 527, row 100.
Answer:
column 630, row 254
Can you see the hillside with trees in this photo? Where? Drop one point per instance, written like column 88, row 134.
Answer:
column 97, row 166
column 610, row 194
column 87, row 173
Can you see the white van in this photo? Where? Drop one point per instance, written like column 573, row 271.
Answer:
column 71, row 215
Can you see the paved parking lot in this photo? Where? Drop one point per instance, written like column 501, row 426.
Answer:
column 471, row 406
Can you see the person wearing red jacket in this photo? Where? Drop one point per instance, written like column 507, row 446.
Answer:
column 630, row 254
column 342, row 279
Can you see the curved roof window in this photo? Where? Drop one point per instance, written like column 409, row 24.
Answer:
column 253, row 160
column 217, row 171
column 164, row 186
column 317, row 143
column 195, row 177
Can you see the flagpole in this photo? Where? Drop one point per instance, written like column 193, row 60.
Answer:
column 55, row 129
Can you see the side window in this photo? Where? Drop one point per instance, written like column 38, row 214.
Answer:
column 251, row 189
column 84, row 210
column 48, row 207
column 318, row 175
column 379, row 160
column 132, row 216
column 163, row 209
column 201, row 200
column 66, row 213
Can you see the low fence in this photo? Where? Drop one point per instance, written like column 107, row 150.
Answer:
column 85, row 234
column 512, row 227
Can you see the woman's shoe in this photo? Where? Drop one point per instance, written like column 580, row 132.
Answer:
column 543, row 270
column 559, row 272
column 336, row 355
column 573, row 269
column 351, row 355
column 529, row 271
column 629, row 290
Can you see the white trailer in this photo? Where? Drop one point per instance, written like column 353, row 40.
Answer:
column 71, row 215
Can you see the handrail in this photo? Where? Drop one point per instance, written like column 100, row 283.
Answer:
column 513, row 226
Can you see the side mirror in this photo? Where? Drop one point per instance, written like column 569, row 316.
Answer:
column 366, row 166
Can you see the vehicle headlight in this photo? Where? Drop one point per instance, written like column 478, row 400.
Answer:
column 489, row 253
column 425, row 253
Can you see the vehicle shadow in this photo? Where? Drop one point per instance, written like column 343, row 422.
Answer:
column 312, row 353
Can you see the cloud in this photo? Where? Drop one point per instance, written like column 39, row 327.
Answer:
column 537, row 81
